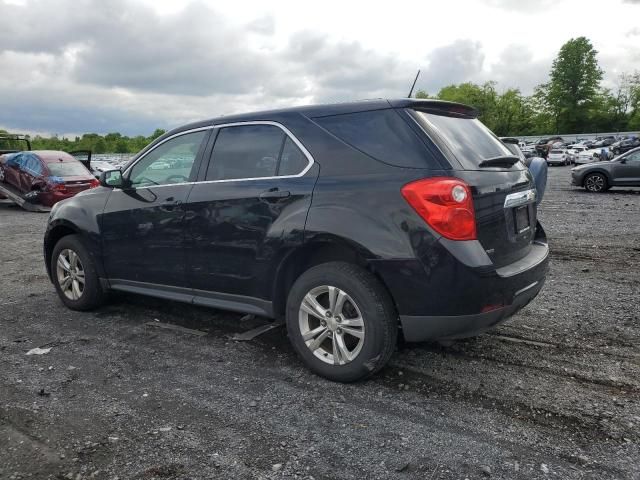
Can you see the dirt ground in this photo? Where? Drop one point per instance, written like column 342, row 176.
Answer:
column 553, row 393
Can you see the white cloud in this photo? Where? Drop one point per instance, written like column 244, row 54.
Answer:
column 132, row 66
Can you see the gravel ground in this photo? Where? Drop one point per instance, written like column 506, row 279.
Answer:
column 553, row 393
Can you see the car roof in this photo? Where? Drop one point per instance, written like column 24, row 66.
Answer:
column 324, row 110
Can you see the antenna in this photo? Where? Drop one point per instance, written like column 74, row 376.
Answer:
column 414, row 84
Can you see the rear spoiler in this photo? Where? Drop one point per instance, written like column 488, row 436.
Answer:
column 439, row 107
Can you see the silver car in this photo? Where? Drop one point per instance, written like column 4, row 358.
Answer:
column 623, row 171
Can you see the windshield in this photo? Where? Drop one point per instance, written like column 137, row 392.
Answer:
column 67, row 169
column 468, row 139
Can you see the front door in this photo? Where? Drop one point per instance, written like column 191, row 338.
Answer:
column 627, row 173
column 143, row 223
column 249, row 209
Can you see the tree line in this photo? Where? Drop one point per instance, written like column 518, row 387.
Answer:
column 572, row 101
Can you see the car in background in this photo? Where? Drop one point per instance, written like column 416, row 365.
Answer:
column 593, row 155
column 544, row 145
column 604, row 141
column 44, row 176
column 99, row 166
column 558, row 156
column 625, row 145
column 623, row 171
column 575, row 150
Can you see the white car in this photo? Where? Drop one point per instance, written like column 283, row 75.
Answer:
column 159, row 166
column 592, row 155
column 558, row 157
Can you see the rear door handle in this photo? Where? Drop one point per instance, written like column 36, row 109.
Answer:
column 274, row 194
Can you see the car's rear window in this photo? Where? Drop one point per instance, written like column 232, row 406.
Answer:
column 467, row 138
column 67, row 169
column 383, row 135
column 557, row 151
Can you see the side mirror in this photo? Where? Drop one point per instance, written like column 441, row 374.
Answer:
column 112, row 179
column 623, row 160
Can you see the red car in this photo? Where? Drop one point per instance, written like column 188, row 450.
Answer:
column 44, row 176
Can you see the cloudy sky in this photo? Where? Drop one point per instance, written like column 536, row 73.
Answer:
column 75, row 66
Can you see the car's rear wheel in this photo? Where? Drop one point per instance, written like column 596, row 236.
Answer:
column 341, row 321
column 595, row 182
column 75, row 276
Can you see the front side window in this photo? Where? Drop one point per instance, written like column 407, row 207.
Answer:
column 169, row 163
column 634, row 157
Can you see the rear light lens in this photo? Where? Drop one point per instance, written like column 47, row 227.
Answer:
column 94, row 183
column 59, row 187
column 445, row 204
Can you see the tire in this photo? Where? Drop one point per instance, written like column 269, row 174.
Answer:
column 596, row 183
column 76, row 296
column 364, row 323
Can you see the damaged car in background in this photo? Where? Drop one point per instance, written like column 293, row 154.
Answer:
column 43, row 177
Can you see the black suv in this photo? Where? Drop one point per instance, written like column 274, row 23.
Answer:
column 354, row 221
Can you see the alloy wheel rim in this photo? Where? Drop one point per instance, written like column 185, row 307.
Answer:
column 70, row 273
column 595, row 183
column 331, row 325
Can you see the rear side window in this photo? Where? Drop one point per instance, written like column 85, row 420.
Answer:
column 467, row 138
column 292, row 160
column 381, row 134
column 247, row 151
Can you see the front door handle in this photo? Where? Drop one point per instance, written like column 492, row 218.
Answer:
column 170, row 203
column 274, row 195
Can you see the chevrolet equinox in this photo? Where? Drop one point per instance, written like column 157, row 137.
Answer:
column 356, row 222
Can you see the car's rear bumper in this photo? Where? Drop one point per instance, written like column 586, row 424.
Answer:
column 421, row 328
column 452, row 298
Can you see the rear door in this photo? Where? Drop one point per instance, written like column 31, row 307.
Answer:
column 504, row 194
column 143, row 224
column 248, row 209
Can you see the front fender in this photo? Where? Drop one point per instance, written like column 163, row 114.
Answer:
column 78, row 215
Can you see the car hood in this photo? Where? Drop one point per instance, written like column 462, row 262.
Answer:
column 591, row 165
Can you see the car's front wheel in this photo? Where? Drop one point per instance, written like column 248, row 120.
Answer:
column 341, row 321
column 595, row 182
column 75, row 276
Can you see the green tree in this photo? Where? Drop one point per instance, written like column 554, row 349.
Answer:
column 573, row 86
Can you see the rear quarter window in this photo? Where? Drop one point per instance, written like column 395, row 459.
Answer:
column 383, row 135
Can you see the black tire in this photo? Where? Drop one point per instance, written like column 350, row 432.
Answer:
column 596, row 183
column 380, row 320
column 92, row 294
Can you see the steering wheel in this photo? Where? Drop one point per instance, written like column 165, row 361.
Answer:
column 177, row 176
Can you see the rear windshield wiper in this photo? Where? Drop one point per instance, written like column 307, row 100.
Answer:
column 502, row 161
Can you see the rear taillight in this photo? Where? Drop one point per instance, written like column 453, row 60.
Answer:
column 445, row 204
column 59, row 187
column 94, row 183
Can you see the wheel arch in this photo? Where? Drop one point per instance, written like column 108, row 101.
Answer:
column 310, row 254
column 54, row 233
column 602, row 171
